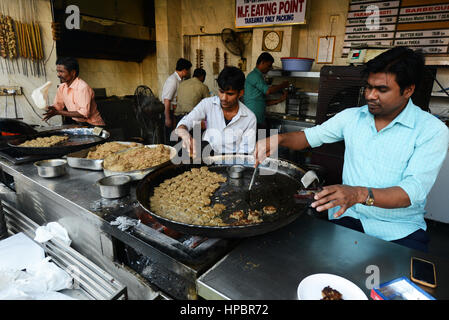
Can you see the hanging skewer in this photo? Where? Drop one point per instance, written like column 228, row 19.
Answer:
column 20, row 38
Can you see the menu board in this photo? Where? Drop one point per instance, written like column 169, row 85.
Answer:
column 417, row 24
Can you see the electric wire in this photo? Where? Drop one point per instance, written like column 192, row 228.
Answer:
column 32, row 108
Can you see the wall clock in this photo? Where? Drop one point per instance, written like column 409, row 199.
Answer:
column 272, row 40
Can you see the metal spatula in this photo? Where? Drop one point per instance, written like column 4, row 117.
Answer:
column 247, row 195
column 97, row 131
column 308, row 178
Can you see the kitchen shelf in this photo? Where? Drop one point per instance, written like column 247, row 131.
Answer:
column 294, row 74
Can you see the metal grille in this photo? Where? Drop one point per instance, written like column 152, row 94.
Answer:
column 95, row 283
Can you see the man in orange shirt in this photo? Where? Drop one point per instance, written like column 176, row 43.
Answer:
column 74, row 97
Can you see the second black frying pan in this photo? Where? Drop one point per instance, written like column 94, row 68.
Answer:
column 276, row 190
column 14, row 126
column 79, row 138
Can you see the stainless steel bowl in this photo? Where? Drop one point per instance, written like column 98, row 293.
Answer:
column 116, row 186
column 236, row 171
column 51, row 168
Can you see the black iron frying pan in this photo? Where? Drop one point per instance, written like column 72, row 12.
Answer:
column 276, row 190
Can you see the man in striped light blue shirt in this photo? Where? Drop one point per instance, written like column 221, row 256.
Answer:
column 393, row 153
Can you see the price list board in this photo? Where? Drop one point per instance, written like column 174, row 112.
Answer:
column 418, row 24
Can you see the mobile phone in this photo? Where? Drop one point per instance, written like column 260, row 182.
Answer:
column 423, row 272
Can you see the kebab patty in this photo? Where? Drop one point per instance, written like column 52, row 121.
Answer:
column 331, row 294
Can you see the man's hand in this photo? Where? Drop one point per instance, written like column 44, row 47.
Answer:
column 51, row 112
column 264, row 148
column 188, row 142
column 339, row 195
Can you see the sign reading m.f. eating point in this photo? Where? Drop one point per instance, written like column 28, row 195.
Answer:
column 252, row 13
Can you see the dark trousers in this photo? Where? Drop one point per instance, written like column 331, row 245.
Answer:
column 168, row 130
column 417, row 240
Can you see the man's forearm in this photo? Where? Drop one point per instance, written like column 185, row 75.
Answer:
column 167, row 105
column 345, row 197
column 294, row 140
column 72, row 114
column 388, row 198
column 273, row 102
column 275, row 88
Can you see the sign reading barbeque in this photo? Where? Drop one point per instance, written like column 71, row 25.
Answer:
column 416, row 24
column 251, row 13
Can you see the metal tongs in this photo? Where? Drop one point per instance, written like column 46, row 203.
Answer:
column 247, row 198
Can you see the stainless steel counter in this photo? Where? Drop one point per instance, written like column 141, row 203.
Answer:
column 272, row 266
column 74, row 201
column 264, row 267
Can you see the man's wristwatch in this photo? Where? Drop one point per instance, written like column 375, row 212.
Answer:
column 370, row 199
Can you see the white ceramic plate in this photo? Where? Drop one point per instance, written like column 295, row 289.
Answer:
column 310, row 287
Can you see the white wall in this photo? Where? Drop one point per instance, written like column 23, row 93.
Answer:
column 29, row 83
column 118, row 77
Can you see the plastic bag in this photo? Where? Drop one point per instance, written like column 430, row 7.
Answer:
column 39, row 95
column 52, row 229
column 49, row 277
column 40, row 281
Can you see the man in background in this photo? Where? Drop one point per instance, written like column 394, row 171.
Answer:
column 74, row 98
column 169, row 93
column 257, row 90
column 190, row 93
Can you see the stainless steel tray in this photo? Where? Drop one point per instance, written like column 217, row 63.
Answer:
column 78, row 159
column 140, row 174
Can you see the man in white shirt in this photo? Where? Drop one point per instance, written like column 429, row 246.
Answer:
column 230, row 125
column 169, row 93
